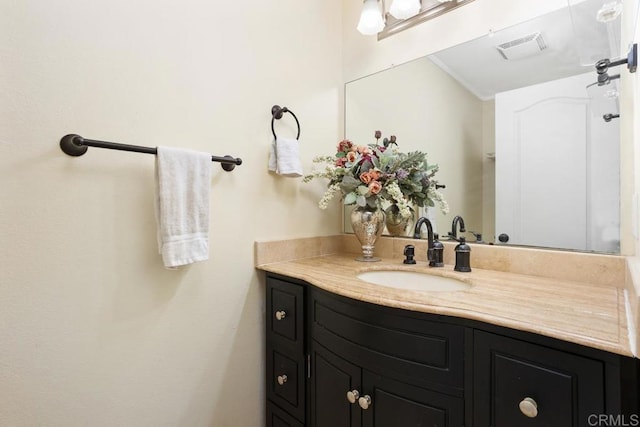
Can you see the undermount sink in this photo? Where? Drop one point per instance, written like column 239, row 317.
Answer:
column 414, row 281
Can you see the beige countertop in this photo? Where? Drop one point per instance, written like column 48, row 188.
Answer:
column 590, row 314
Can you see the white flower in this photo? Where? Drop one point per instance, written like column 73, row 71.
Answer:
column 328, row 195
column 403, row 205
column 437, row 196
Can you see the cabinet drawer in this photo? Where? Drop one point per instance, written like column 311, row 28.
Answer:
column 285, row 381
column 563, row 388
column 411, row 348
column 276, row 417
column 285, row 313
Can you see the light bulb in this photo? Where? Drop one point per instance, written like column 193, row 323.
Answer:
column 404, row 9
column 609, row 12
column 371, row 20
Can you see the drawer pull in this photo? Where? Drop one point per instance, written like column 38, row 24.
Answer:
column 353, row 396
column 529, row 407
column 365, row 401
column 281, row 314
column 282, row 379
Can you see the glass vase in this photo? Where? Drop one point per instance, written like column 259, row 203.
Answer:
column 367, row 224
column 397, row 225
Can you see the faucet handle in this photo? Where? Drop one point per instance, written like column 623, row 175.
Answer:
column 452, row 237
column 409, row 253
column 477, row 235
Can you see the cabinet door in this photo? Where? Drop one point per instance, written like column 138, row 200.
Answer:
column 523, row 384
column 331, row 378
column 394, row 403
column 276, row 417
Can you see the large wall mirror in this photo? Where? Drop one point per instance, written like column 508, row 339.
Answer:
column 517, row 126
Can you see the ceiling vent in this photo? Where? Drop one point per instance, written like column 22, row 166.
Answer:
column 523, row 47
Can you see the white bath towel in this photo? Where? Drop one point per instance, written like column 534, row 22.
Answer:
column 284, row 158
column 183, row 183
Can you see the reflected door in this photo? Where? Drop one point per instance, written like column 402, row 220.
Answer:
column 554, row 163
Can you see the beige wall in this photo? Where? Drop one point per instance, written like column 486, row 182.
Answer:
column 489, row 171
column 93, row 330
column 431, row 112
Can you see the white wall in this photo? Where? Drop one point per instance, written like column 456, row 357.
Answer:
column 629, row 142
column 94, row 331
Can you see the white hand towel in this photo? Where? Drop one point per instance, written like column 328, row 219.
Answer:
column 284, row 157
column 183, row 183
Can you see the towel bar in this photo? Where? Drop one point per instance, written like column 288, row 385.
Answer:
column 75, row 145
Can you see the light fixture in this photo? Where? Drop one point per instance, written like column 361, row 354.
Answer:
column 597, row 25
column 371, row 19
column 609, row 12
column 379, row 19
column 404, row 9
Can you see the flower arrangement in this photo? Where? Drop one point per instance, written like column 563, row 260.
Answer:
column 367, row 175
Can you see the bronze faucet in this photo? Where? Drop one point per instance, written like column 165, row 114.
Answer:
column 454, row 227
column 435, row 249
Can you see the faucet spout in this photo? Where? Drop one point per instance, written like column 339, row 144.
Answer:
column 457, row 220
column 431, row 255
column 422, row 221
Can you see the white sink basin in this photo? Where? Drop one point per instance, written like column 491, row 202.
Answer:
column 413, row 280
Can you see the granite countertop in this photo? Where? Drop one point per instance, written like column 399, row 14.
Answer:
column 590, row 314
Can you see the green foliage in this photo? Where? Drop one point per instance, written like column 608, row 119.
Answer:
column 366, row 175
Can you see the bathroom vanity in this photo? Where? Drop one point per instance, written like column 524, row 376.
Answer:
column 355, row 354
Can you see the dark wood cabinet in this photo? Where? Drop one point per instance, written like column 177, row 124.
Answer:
column 332, row 377
column 396, row 403
column 346, row 395
column 286, row 357
column 276, row 417
column 353, row 364
column 374, row 366
column 518, row 383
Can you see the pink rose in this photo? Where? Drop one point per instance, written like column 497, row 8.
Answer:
column 351, row 156
column 344, row 146
column 375, row 187
column 341, row 161
column 375, row 174
column 364, row 150
column 365, row 177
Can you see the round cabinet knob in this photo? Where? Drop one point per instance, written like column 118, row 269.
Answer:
column 281, row 314
column 353, row 396
column 282, row 379
column 529, row 407
column 365, row 401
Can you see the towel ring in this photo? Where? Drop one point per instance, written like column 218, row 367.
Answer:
column 276, row 114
